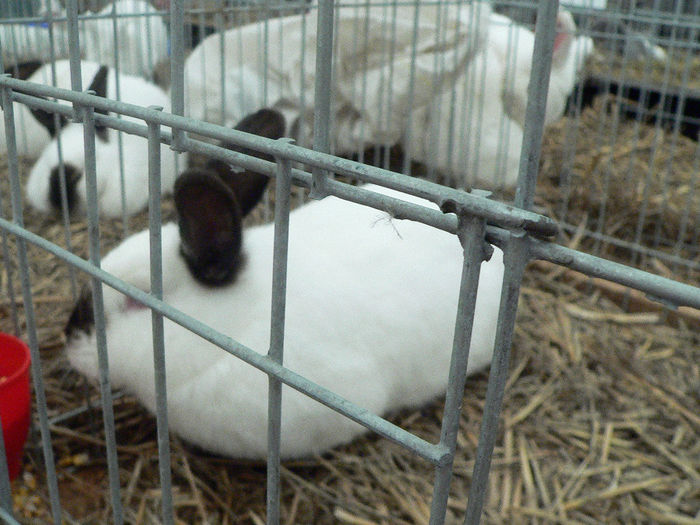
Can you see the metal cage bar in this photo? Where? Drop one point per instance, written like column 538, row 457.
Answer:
column 156, row 258
column 98, row 312
column 36, row 370
column 283, row 189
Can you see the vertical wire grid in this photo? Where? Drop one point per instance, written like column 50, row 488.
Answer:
column 322, row 89
column 472, row 235
column 616, row 120
column 384, row 98
column 156, row 259
column 118, row 96
column 468, row 102
column 302, row 66
column 573, row 129
column 9, row 280
column 453, row 114
column 99, row 315
column 222, row 63
column 479, row 110
column 65, row 215
column 279, row 294
column 177, row 67
column 365, row 67
column 677, row 119
column 5, row 489
column 391, row 114
column 505, row 123
column 406, row 168
column 266, row 46
column 686, row 220
column 435, row 87
column 632, row 173
column 536, row 103
column 23, row 262
column 515, row 258
column 74, row 45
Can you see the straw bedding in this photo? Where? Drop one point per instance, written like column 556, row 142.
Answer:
column 600, row 422
column 637, row 182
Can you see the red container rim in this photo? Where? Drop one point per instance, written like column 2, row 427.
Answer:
column 24, row 365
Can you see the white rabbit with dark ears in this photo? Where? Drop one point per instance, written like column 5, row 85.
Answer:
column 32, row 136
column 43, row 184
column 371, row 309
column 479, row 143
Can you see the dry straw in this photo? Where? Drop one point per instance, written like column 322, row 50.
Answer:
column 600, row 425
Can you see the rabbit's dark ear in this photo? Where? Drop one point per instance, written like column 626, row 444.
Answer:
column 99, row 87
column 24, row 70
column 210, row 227
column 82, row 318
column 46, row 119
column 249, row 186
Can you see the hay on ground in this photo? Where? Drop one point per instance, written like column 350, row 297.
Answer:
column 600, row 424
column 633, row 181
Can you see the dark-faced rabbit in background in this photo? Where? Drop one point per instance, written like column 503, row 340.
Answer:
column 43, row 185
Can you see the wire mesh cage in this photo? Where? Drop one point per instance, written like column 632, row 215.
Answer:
column 542, row 154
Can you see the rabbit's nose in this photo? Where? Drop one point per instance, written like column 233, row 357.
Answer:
column 72, row 176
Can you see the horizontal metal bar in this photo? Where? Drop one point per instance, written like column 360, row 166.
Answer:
column 643, row 250
column 661, row 289
column 435, row 453
column 657, row 287
column 493, row 211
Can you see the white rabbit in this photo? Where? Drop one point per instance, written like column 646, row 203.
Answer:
column 569, row 55
column 43, row 185
column 480, row 141
column 28, row 41
column 142, row 38
column 32, row 136
column 371, row 307
column 272, row 63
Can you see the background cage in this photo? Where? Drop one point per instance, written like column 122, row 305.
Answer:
column 600, row 416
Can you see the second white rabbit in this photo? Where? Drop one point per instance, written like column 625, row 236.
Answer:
column 43, row 186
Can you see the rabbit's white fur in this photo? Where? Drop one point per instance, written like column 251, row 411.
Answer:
column 483, row 137
column 133, row 90
column 372, row 90
column 142, row 38
column 31, row 136
column 371, row 307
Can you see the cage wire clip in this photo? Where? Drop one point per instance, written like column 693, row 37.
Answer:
column 502, row 215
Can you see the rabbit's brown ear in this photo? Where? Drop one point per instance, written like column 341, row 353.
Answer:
column 210, row 227
column 247, row 185
column 47, row 119
column 99, row 87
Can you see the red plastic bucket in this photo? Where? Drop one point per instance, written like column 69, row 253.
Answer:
column 14, row 398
